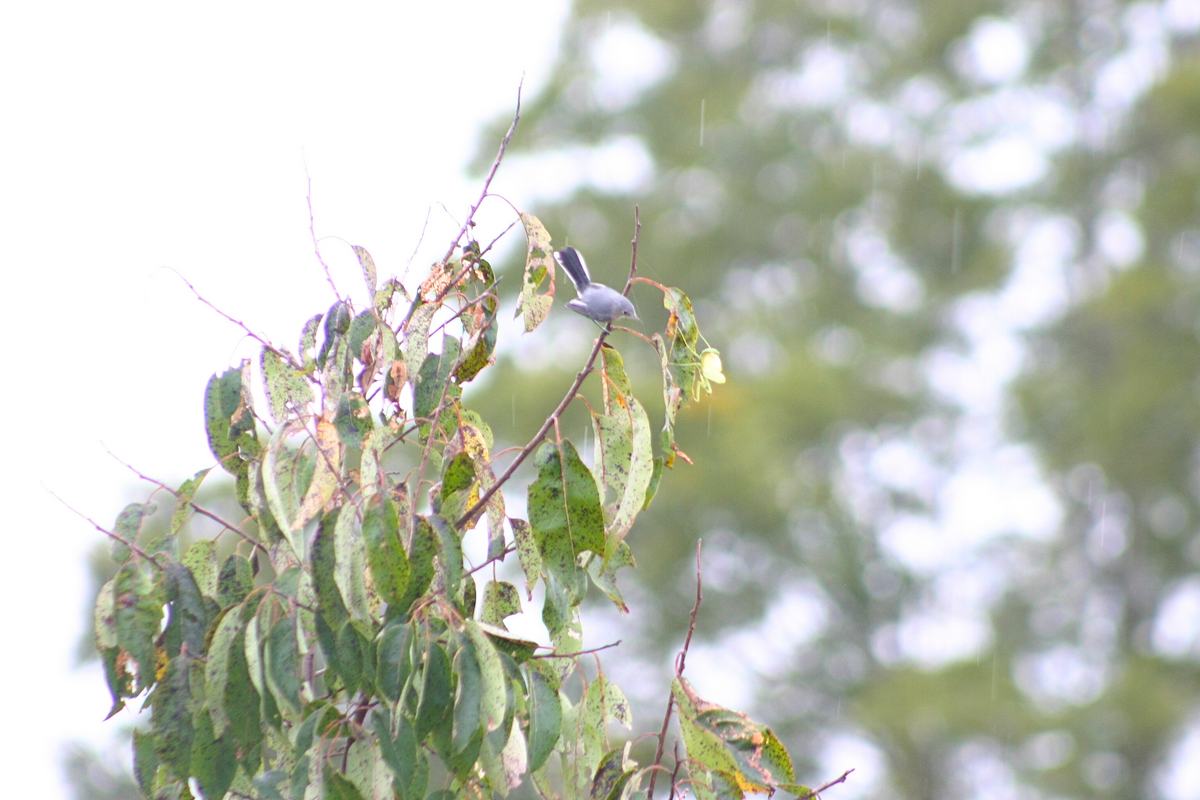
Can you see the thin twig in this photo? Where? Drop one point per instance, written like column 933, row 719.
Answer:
column 675, row 771
column 133, row 547
column 682, row 657
column 491, row 560
column 227, row 525
column 492, row 243
column 580, row 653
column 491, row 174
column 680, row 661
column 816, row 792
column 541, row 434
column 249, row 332
column 637, row 232
column 316, row 245
column 487, row 292
column 482, row 196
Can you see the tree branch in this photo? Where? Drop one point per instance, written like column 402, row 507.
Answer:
column 817, row 792
column 196, row 508
column 566, row 401
column 133, row 547
column 679, row 664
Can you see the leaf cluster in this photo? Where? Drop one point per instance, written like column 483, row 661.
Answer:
column 343, row 649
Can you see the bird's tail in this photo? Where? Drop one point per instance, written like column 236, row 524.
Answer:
column 569, row 259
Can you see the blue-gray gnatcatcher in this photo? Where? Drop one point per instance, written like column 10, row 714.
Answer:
column 594, row 300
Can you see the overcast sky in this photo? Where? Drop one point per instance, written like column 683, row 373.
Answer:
column 142, row 142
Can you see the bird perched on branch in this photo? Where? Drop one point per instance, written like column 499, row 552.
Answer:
column 594, row 300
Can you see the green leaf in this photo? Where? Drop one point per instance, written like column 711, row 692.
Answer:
column 368, row 267
column 279, row 477
column 432, row 383
column 353, row 420
column 235, row 580
column 725, row 741
column 528, row 553
column 188, row 612
column 372, row 476
column 500, row 601
column 612, row 456
column 435, row 700
column 361, row 328
column 104, row 621
column 681, row 327
column 639, row 473
column 514, row 758
column 281, row 661
column 468, row 694
column 350, row 565
column 267, row 784
column 171, row 718
column 288, row 393
column 399, row 750
column 145, row 760
column 420, row 561
column 458, row 478
column 308, row 336
column 394, row 662
column 232, row 699
column 604, row 702
column 229, row 416
column 116, row 674
column 327, row 469
column 385, row 553
column 337, row 322
column 564, row 511
column 655, row 479
column 605, row 575
column 545, row 719
column 610, row 776
column 450, row 555
column 128, row 527
column 338, row 787
column 494, row 703
column 214, row 762
column 183, row 500
column 324, row 564
column 482, row 342
column 416, row 334
column 226, row 638
column 539, row 264
column 137, row 613
column 201, row 561
column 349, row 658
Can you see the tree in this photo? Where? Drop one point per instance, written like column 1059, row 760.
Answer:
column 342, row 648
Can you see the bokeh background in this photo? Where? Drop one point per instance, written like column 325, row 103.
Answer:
column 950, row 495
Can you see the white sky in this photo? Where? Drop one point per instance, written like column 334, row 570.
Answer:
column 138, row 136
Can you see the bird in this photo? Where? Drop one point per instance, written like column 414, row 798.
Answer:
column 593, row 300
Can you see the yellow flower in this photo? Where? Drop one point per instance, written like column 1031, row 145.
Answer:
column 710, row 365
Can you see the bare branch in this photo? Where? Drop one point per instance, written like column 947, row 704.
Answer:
column 256, row 337
column 199, row 510
column 566, row 401
column 682, row 657
column 491, row 174
column 679, row 664
column 817, row 792
column 316, row 245
column 104, row 530
column 580, row 653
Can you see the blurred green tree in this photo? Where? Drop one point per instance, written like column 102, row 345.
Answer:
column 952, row 254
